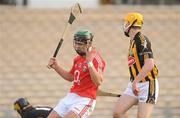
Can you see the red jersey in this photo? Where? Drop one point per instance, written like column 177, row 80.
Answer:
column 82, row 84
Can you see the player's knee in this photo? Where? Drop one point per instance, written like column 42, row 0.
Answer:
column 139, row 116
column 116, row 114
column 142, row 116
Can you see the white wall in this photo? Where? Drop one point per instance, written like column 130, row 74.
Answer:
column 62, row 3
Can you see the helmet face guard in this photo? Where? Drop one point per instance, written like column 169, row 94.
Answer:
column 127, row 28
column 82, row 40
column 80, row 47
column 17, row 108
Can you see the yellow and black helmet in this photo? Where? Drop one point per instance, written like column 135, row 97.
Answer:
column 133, row 19
column 130, row 20
column 21, row 104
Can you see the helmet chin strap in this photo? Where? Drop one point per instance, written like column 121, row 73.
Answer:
column 127, row 33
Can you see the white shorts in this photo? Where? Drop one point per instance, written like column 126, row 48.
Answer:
column 81, row 106
column 148, row 91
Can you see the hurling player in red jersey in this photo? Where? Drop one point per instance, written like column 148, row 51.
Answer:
column 86, row 75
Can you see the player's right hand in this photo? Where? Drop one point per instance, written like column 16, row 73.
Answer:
column 53, row 63
column 135, row 88
column 90, row 53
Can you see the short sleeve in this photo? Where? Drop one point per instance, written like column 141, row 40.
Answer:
column 144, row 47
column 99, row 63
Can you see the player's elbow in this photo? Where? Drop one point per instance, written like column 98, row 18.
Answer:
column 150, row 64
column 70, row 78
column 98, row 82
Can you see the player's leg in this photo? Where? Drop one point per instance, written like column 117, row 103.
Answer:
column 82, row 107
column 53, row 114
column 61, row 108
column 147, row 98
column 71, row 114
column 144, row 110
column 124, row 103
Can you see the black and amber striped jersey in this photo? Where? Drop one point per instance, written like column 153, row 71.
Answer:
column 139, row 50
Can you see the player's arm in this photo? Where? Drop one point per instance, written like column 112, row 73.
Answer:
column 95, row 72
column 63, row 73
column 146, row 53
column 147, row 67
column 96, row 76
column 143, row 48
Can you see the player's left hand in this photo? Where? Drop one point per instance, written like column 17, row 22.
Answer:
column 135, row 87
column 90, row 53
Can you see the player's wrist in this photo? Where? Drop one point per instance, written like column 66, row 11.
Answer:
column 55, row 66
column 90, row 64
